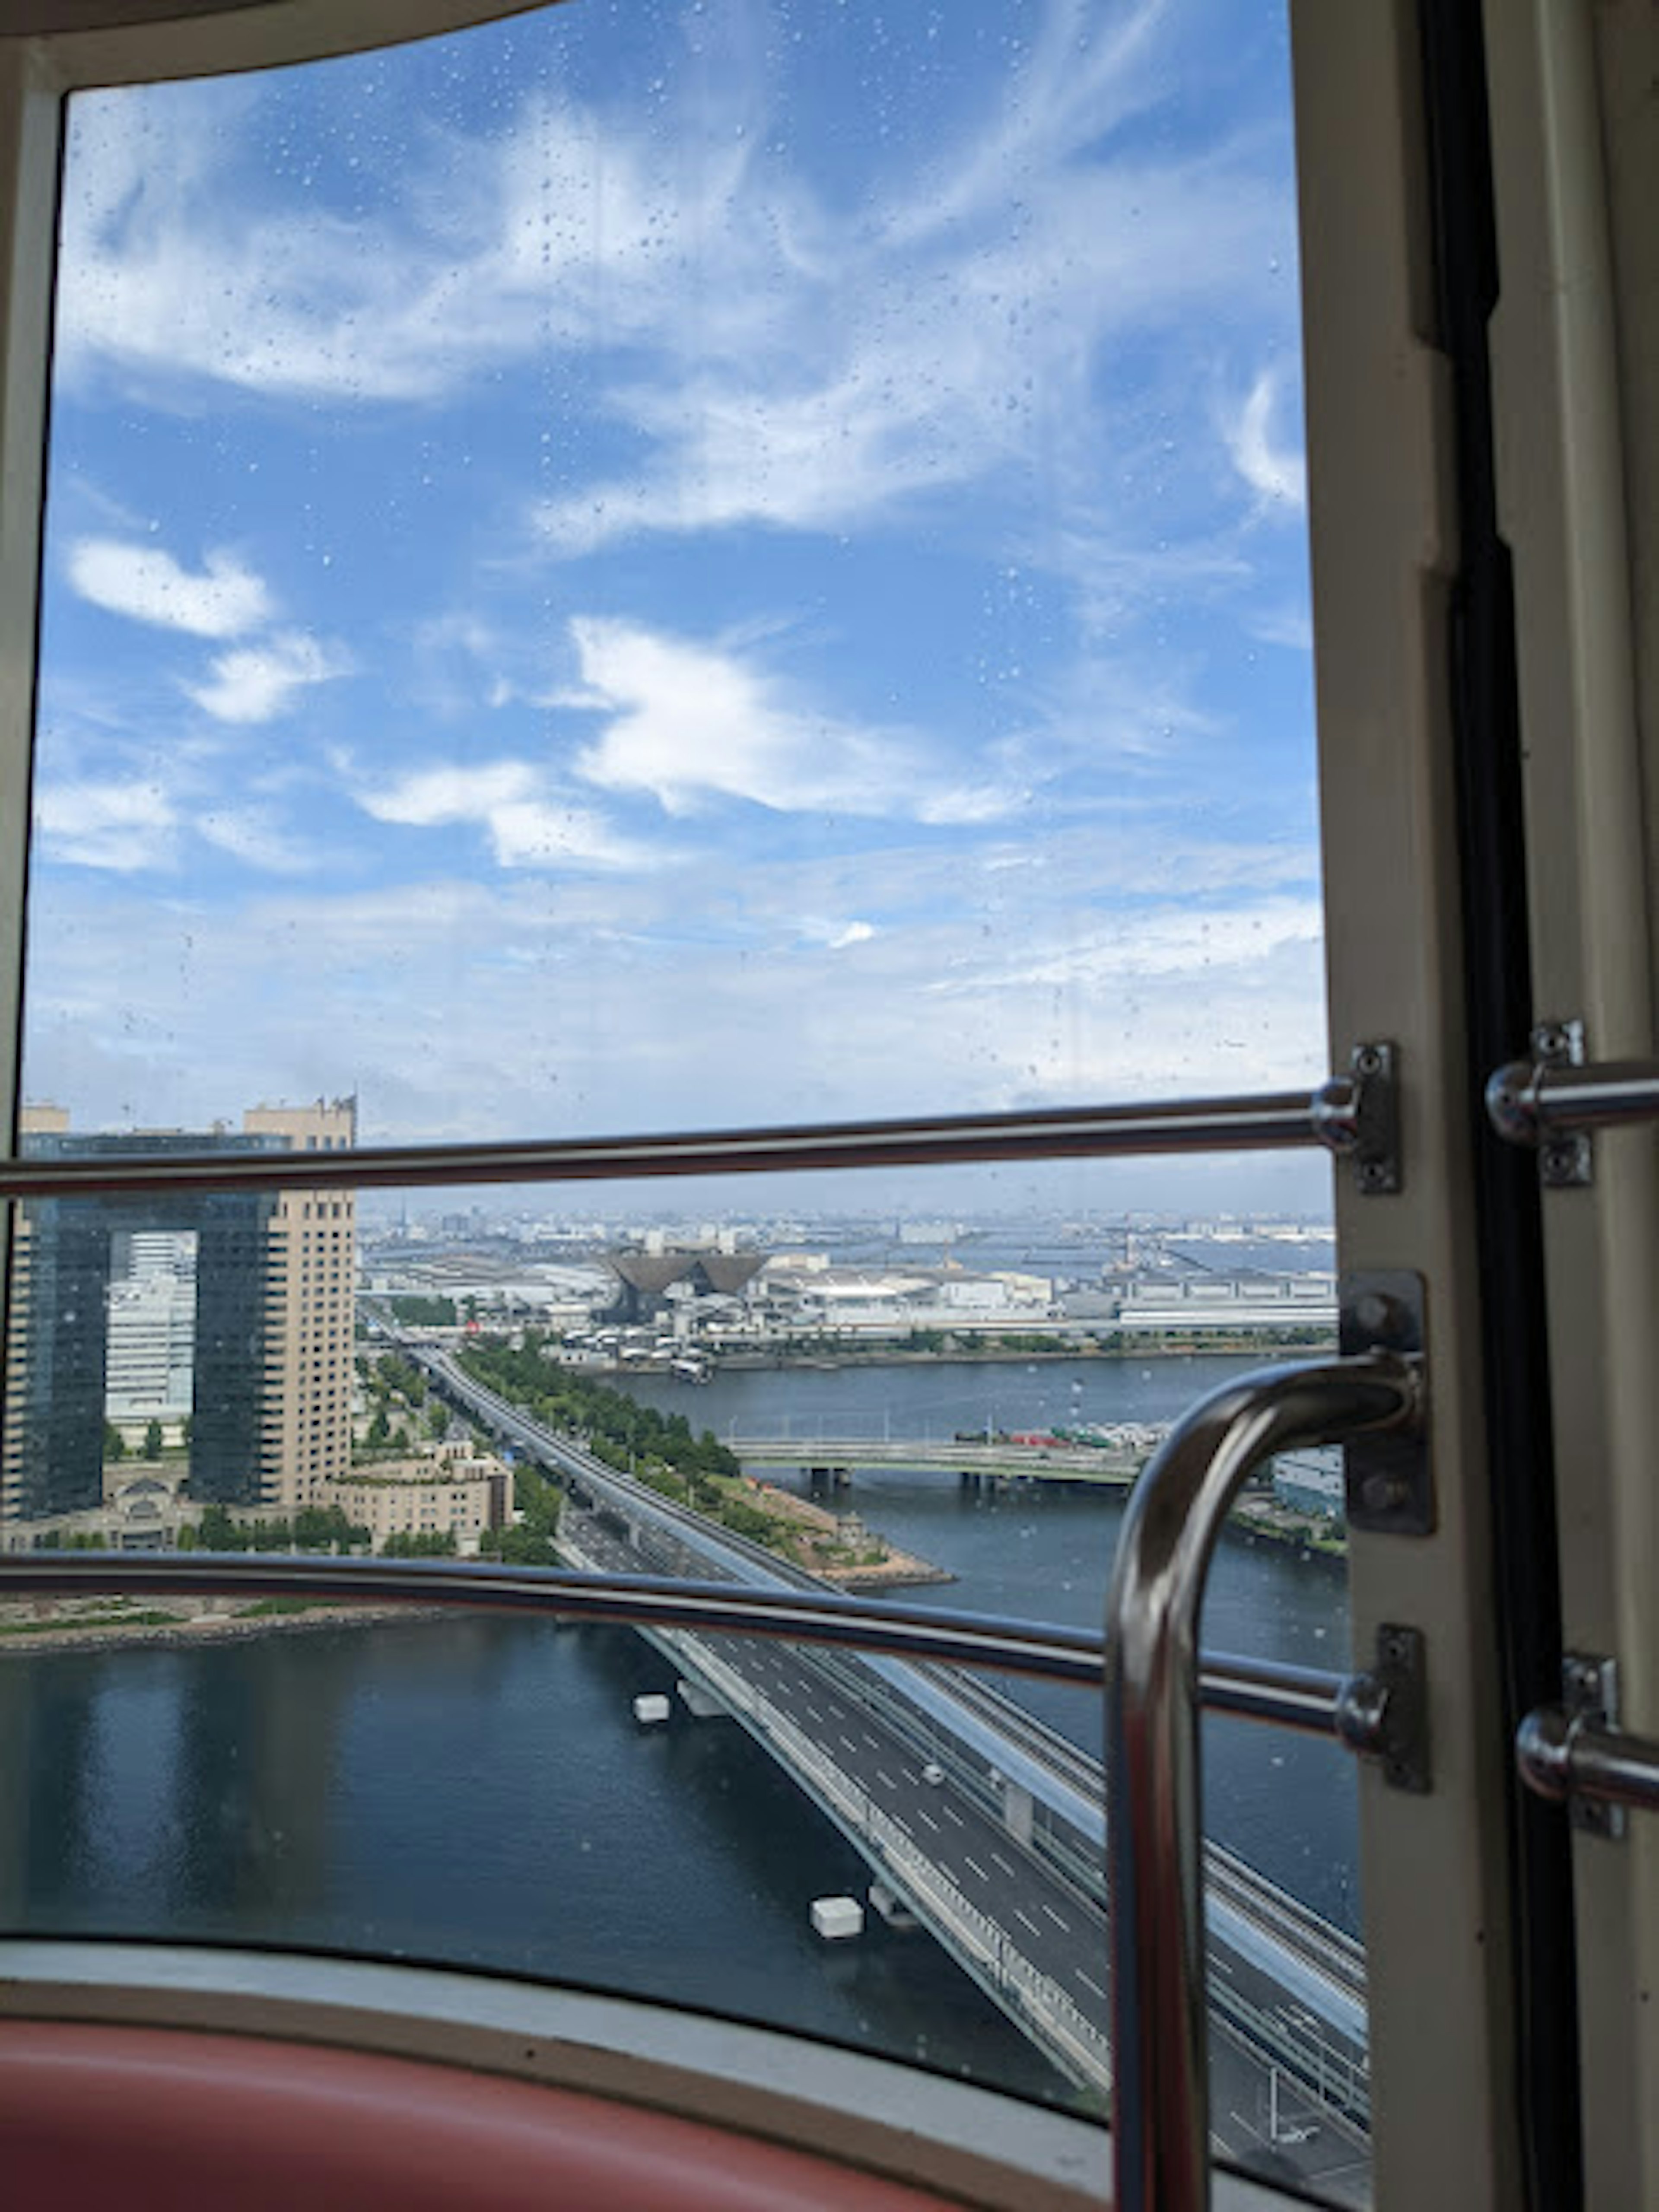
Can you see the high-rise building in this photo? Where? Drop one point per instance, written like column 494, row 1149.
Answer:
column 233, row 1308
column 311, row 1239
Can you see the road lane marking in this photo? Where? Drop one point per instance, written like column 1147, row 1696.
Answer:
column 951, row 1813
column 928, row 1817
column 1089, row 1982
column 978, row 1868
column 1004, row 1864
column 885, row 1779
column 1022, row 1915
column 1059, row 1921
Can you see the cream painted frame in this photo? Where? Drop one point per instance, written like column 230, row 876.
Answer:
column 1576, row 389
column 1378, row 433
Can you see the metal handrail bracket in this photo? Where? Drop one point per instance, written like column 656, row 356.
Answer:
column 1576, row 1753
column 1154, row 1815
column 1555, row 1102
column 1569, row 1759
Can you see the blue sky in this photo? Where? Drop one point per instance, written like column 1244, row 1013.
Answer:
column 681, row 565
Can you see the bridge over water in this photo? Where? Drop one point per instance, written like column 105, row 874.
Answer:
column 971, row 1459
column 985, row 1822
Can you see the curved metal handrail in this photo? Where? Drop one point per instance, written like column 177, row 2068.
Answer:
column 1154, row 1821
column 1301, row 1697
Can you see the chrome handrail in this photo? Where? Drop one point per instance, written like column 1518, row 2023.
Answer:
column 1273, row 1122
column 1300, row 1697
column 1154, row 1812
column 1529, row 1101
column 1571, row 1759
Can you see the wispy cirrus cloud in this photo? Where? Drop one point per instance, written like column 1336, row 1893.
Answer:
column 558, row 234
column 257, row 683
column 1274, row 470
column 120, row 826
column 528, row 824
column 782, row 356
column 223, row 598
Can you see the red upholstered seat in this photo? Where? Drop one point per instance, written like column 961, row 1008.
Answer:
column 96, row 2118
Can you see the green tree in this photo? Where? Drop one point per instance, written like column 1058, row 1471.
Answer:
column 115, row 1444
column 324, row 1528
column 216, row 1532
column 520, row 1547
column 153, row 1441
column 422, row 1544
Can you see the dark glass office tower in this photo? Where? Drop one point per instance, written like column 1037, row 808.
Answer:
column 58, row 1327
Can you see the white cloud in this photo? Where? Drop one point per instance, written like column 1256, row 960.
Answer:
column 257, row 682
column 901, row 365
column 834, row 936
column 1277, row 474
column 527, row 826
column 549, row 234
column 620, row 1016
column 1148, row 941
column 783, row 355
column 222, row 598
column 691, row 722
column 123, row 827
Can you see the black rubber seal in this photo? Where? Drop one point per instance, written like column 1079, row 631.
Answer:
column 1498, row 976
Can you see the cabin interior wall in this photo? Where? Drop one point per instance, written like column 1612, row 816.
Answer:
column 1576, row 347
column 1384, row 552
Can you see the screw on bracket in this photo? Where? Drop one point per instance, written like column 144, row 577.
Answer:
column 1559, row 1044
column 1567, row 1160
column 1589, row 1693
column 1358, row 1115
column 1383, row 1714
column 1390, row 1474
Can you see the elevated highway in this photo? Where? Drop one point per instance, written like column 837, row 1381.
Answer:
column 1112, row 1464
column 987, row 1823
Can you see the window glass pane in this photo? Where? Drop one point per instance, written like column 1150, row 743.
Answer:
column 687, row 568
column 681, row 566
